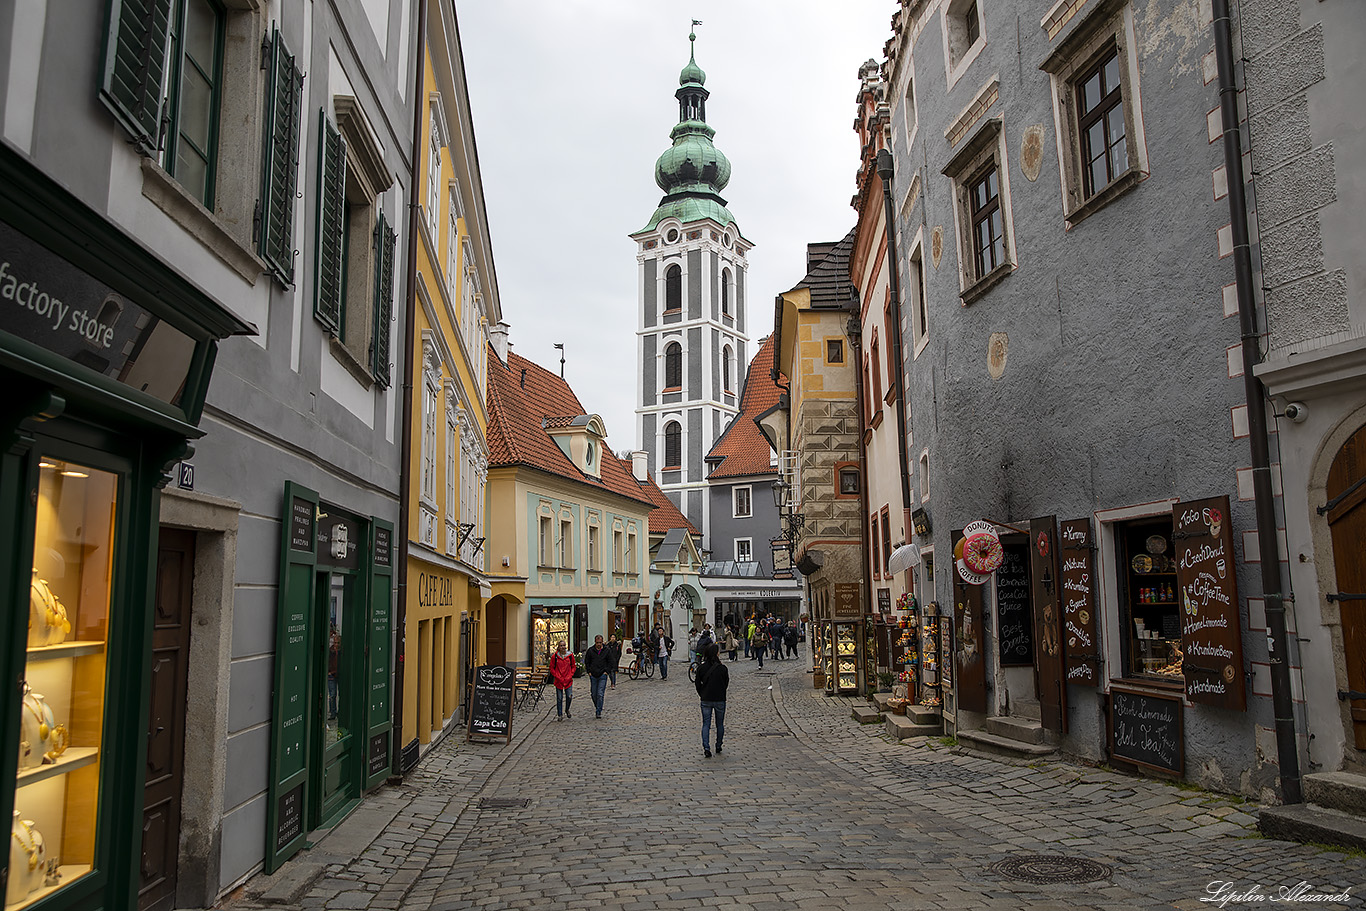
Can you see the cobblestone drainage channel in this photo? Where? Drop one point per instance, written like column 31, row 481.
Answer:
column 1043, row 869
column 503, row 803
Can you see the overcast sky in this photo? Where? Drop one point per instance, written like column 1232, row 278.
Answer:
column 573, row 101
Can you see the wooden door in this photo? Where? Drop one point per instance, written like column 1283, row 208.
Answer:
column 166, row 721
column 1044, row 578
column 495, row 632
column 970, row 666
column 1347, row 521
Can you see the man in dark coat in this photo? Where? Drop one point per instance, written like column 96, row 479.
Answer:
column 598, row 661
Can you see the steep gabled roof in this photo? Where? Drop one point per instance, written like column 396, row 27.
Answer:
column 743, row 450
column 666, row 516
column 827, row 274
column 523, row 400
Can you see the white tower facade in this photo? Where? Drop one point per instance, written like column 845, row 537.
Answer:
column 692, row 340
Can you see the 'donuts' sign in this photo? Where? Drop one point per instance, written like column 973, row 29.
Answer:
column 1207, row 598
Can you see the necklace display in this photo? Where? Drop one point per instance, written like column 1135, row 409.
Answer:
column 47, row 621
column 27, row 867
column 42, row 739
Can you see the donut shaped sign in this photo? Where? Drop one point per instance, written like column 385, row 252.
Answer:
column 971, row 577
column 982, row 551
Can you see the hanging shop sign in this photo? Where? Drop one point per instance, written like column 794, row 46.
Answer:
column 1211, row 631
column 1081, row 649
column 1048, row 631
column 920, row 521
column 969, row 648
column 48, row 301
column 982, row 552
column 1014, row 620
column 628, row 599
column 1146, row 729
column 847, row 605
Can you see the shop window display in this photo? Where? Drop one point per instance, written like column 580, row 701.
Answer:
column 62, row 707
column 1152, row 622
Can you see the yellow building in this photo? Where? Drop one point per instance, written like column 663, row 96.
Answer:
column 447, row 581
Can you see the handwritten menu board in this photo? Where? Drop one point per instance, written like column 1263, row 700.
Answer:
column 1207, row 582
column 1146, row 729
column 1081, row 638
column 1015, row 623
column 491, row 702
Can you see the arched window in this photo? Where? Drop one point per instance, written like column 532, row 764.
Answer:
column 725, row 369
column 673, row 366
column 725, row 292
column 673, row 445
column 673, row 288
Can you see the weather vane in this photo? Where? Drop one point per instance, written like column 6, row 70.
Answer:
column 560, row 345
column 692, row 35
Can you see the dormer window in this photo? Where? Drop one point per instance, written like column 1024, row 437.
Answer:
column 589, row 454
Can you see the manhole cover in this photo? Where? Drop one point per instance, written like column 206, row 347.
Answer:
column 1042, row 869
column 502, row 803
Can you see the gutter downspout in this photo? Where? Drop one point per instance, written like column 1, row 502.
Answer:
column 1268, row 543
column 885, row 170
column 855, row 332
column 406, row 431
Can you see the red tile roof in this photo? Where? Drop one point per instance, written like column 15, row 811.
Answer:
column 524, row 399
column 666, row 515
column 743, row 450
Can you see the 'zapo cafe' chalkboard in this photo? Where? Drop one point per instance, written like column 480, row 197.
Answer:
column 491, row 702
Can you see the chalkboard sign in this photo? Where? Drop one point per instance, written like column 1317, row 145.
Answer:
column 491, row 702
column 379, row 753
column 1081, row 649
column 1015, row 623
column 1146, row 729
column 1207, row 588
column 289, row 817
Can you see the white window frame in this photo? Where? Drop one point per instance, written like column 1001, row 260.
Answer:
column 735, row 501
column 594, row 544
column 431, row 395
column 545, row 541
column 566, row 542
column 748, row 545
column 1102, row 26
column 454, row 452
column 987, row 143
column 950, row 28
column 630, row 557
column 917, row 283
column 923, row 467
column 434, row 176
column 618, row 551
column 910, row 111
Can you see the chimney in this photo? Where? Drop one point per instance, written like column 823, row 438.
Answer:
column 640, row 464
column 498, row 335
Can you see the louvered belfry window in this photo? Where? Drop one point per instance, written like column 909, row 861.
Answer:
column 135, row 67
column 330, row 285
column 275, row 209
column 385, row 240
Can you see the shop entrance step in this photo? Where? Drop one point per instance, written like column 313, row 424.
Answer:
column 1311, row 824
column 996, row 745
column 902, row 726
column 866, row 714
column 1014, row 727
column 1343, row 791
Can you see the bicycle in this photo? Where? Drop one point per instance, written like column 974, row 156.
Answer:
column 692, row 669
column 640, row 664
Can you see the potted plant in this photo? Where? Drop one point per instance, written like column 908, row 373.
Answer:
column 884, row 681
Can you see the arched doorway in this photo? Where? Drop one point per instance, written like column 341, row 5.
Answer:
column 1346, row 514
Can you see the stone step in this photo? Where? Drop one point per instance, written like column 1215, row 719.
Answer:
column 985, row 742
column 1012, row 727
column 903, row 726
column 924, row 714
column 1308, row 823
column 881, row 700
column 866, row 714
column 1021, row 708
column 1337, row 791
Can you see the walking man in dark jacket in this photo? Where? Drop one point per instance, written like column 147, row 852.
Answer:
column 597, row 661
column 713, row 678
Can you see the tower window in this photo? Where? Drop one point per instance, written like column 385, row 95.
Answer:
column 725, row 292
column 673, row 445
column 673, row 366
column 673, row 288
column 725, row 369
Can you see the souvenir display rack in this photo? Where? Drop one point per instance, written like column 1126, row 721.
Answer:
column 846, row 657
column 906, row 654
column 931, row 690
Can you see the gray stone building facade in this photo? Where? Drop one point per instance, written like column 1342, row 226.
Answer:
column 1301, row 72
column 212, row 163
column 1064, row 253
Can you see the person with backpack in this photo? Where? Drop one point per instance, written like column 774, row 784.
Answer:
column 704, row 639
column 712, row 680
column 562, row 667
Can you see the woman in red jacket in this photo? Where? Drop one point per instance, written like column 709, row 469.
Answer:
column 562, row 666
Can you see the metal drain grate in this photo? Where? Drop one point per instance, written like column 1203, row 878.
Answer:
column 502, row 803
column 1043, row 869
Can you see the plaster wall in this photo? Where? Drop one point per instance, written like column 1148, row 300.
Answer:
column 1095, row 375
column 761, row 526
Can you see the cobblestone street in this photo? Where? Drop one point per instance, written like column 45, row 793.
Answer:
column 804, row 809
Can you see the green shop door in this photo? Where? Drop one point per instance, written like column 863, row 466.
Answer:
column 334, row 722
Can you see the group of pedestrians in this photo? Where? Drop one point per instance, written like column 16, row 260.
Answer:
column 770, row 635
column 602, row 662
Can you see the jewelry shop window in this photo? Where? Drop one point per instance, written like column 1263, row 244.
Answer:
column 1150, row 625
column 62, row 691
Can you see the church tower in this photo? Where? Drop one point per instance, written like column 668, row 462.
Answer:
column 691, row 341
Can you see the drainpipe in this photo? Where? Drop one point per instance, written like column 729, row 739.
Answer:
column 405, row 446
column 854, row 330
column 884, row 170
column 1267, row 539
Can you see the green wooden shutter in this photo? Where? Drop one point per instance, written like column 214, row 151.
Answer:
column 288, row 784
column 385, row 240
column 135, row 66
column 327, row 289
column 281, row 160
column 379, row 717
